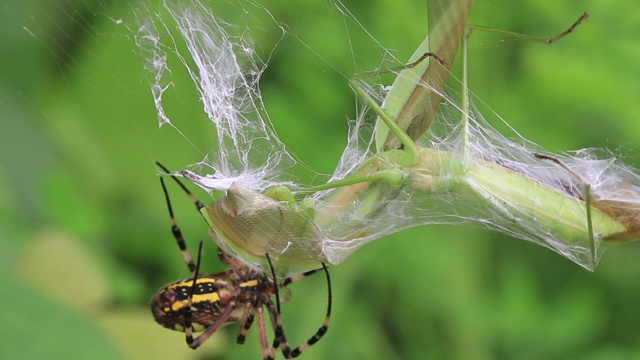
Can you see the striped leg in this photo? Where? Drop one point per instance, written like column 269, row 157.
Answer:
column 175, row 229
column 280, row 340
column 245, row 324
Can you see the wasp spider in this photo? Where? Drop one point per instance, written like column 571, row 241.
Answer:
column 205, row 302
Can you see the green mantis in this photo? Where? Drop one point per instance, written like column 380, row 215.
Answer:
column 463, row 170
column 250, row 224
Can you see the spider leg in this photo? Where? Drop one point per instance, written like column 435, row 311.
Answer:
column 292, row 353
column 275, row 319
column 231, row 261
column 199, row 205
column 188, row 325
column 278, row 335
column 280, row 340
column 298, row 277
column 194, row 343
column 262, row 331
column 175, row 229
column 245, row 325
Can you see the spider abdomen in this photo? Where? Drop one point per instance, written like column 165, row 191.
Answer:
column 211, row 296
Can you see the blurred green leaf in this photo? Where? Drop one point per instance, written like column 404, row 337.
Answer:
column 79, row 137
column 38, row 327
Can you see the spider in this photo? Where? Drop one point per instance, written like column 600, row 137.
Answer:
column 204, row 302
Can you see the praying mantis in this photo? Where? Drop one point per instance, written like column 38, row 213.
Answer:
column 537, row 197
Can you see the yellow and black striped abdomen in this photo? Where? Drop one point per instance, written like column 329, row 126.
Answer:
column 211, row 297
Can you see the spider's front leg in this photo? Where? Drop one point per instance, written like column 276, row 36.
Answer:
column 175, row 229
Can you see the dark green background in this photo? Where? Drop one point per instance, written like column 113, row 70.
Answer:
column 84, row 234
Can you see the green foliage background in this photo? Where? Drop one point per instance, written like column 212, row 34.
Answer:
column 84, row 234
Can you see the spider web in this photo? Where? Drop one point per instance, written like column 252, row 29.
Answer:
column 222, row 62
column 79, row 137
